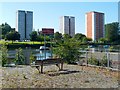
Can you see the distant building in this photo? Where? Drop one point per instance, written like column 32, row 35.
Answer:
column 24, row 24
column 95, row 25
column 67, row 25
column 48, row 31
column 29, row 24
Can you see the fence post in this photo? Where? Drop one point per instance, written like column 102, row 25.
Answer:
column 108, row 59
column 86, row 57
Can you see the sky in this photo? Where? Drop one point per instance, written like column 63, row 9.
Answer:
column 47, row 14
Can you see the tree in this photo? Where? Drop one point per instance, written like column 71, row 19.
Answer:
column 57, row 36
column 47, row 38
column 103, row 40
column 68, row 50
column 13, row 35
column 66, row 36
column 89, row 39
column 40, row 38
column 111, row 31
column 81, row 37
column 33, row 36
column 5, row 28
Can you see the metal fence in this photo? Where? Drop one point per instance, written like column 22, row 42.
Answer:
column 112, row 58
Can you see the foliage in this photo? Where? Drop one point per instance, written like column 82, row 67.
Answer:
column 32, row 57
column 111, row 48
column 40, row 38
column 4, row 54
column 5, row 28
column 79, row 37
column 103, row 40
column 82, row 38
column 93, row 61
column 111, row 31
column 103, row 61
column 20, row 59
column 47, row 38
column 89, row 39
column 68, row 50
column 57, row 36
column 66, row 37
column 33, row 36
column 13, row 35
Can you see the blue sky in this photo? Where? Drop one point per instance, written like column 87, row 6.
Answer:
column 47, row 14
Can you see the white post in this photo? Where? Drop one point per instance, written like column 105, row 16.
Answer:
column 86, row 57
column 44, row 46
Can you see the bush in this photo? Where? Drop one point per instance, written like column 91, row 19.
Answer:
column 20, row 59
column 93, row 61
column 32, row 58
column 4, row 54
column 103, row 62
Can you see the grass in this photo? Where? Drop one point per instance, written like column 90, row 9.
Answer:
column 14, row 42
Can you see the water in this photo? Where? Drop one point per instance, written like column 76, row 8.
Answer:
column 43, row 54
column 40, row 54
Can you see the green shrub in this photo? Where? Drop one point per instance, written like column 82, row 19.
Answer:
column 103, row 61
column 93, row 61
column 4, row 54
column 20, row 59
column 32, row 58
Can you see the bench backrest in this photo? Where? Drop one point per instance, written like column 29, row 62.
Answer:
column 49, row 61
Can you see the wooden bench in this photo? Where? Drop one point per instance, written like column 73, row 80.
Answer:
column 40, row 63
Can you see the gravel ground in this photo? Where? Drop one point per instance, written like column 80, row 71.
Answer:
column 73, row 76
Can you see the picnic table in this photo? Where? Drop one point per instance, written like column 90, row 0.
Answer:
column 50, row 61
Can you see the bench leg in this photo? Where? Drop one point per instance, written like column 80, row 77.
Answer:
column 41, row 68
column 62, row 66
column 58, row 66
column 38, row 68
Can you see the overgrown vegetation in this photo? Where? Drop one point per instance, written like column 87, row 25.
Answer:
column 68, row 49
column 4, row 54
column 93, row 61
column 19, row 57
column 32, row 58
column 102, row 62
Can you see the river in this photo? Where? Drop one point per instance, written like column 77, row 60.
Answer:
column 40, row 54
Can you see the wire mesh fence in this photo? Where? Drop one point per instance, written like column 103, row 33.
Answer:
column 101, row 57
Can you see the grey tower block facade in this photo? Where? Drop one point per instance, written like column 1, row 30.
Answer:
column 67, row 25
column 64, row 24
column 24, row 24
column 20, row 24
column 72, row 26
column 29, row 24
